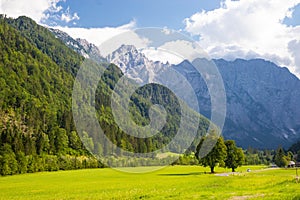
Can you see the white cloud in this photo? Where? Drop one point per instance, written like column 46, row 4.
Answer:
column 248, row 29
column 186, row 49
column 294, row 48
column 39, row 10
column 98, row 36
column 175, row 52
column 67, row 16
column 162, row 55
column 127, row 37
column 16, row 8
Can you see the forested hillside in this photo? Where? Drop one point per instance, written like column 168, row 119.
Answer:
column 37, row 131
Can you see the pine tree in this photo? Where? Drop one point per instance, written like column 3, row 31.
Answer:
column 280, row 159
column 8, row 162
column 22, row 162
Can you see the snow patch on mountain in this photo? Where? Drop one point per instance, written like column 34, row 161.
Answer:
column 136, row 65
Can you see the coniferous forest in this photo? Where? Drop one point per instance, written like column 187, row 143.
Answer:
column 37, row 73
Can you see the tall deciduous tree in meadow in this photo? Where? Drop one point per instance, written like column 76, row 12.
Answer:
column 217, row 154
column 235, row 156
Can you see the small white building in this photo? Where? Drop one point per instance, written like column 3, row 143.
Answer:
column 273, row 165
column 291, row 164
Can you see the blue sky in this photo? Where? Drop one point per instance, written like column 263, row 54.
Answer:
column 154, row 13
column 229, row 29
column 295, row 19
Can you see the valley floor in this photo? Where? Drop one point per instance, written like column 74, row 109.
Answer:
column 174, row 182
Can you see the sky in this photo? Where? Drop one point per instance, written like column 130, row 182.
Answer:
column 229, row 29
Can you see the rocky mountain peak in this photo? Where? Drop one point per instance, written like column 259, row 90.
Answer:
column 81, row 46
column 262, row 98
column 135, row 64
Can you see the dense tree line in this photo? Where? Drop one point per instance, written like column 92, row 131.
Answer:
column 279, row 157
column 258, row 157
column 227, row 154
column 295, row 150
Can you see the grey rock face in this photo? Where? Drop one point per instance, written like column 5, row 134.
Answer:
column 263, row 100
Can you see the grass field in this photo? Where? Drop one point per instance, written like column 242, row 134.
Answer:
column 174, row 182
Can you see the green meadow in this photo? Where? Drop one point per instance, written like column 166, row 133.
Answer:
column 173, row 182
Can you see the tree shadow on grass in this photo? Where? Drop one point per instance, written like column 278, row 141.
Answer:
column 184, row 174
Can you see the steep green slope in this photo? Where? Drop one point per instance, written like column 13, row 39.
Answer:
column 44, row 40
column 141, row 101
column 37, row 131
column 35, row 107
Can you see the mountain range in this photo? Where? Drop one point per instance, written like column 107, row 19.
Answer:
column 262, row 98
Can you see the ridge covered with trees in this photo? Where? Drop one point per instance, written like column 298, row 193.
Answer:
column 36, row 128
column 37, row 131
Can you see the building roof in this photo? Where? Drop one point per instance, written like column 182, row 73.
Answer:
column 291, row 163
